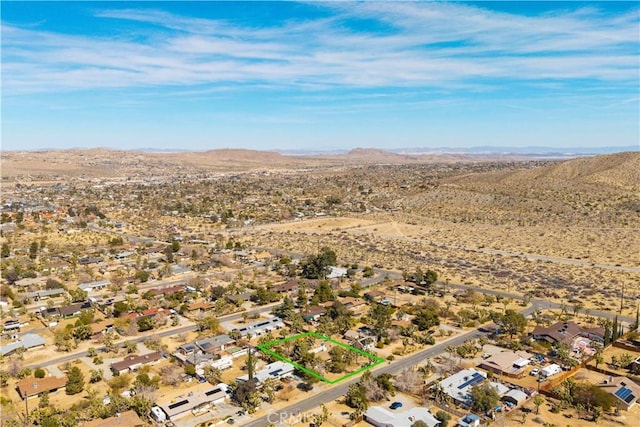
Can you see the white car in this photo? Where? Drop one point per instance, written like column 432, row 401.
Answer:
column 535, row 371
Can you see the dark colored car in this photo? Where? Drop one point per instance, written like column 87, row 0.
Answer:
column 396, row 405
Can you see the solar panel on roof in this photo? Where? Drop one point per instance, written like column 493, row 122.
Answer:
column 210, row 392
column 177, row 404
column 623, row 393
column 630, row 398
column 475, row 378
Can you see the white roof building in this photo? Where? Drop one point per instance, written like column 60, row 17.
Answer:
column 275, row 370
column 382, row 417
column 459, row 385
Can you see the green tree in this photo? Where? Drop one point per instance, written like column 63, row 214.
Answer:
column 75, row 381
column 538, row 401
column 323, row 293
column 425, row 319
column 208, row 324
column 131, row 346
column 484, row 397
column 142, row 276
column 39, row 373
column 269, row 387
column 146, row 323
column 82, row 332
column 96, row 376
column 5, row 251
column 33, row 250
column 317, row 267
column 246, row 395
column 212, row 374
column 356, row 398
column 443, row 417
column 513, row 323
column 380, row 319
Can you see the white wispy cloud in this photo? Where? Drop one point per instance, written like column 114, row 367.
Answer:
column 426, row 45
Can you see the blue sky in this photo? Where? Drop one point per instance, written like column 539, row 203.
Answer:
column 321, row 76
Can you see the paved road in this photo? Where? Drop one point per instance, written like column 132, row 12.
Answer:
column 160, row 334
column 314, row 400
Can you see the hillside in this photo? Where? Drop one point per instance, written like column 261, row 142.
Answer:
column 602, row 190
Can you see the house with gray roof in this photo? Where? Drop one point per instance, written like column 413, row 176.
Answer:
column 26, row 341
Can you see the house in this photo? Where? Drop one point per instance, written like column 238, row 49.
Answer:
column 501, row 389
column 351, row 335
column 90, row 260
column 193, row 403
column 337, row 272
column 44, row 294
column 382, row 417
column 166, row 290
column 277, row 370
column 150, row 312
column 261, row 327
column 94, row 286
column 125, row 419
column 31, row 386
column 200, row 307
column 289, row 287
column 458, row 386
column 124, row 254
column 566, row 332
column 101, row 327
column 509, row 363
column 469, row 420
column 356, row 305
column 27, row 341
column 625, row 391
column 30, row 281
column 73, row 309
column 239, row 299
column 177, row 269
column 375, row 296
column 365, row 343
column 215, row 344
column 132, row 362
column 313, row 313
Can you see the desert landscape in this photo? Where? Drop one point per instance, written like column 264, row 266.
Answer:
column 108, row 255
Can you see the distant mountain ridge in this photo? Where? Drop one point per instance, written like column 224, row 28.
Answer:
column 103, row 162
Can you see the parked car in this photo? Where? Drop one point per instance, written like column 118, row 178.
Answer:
column 535, row 371
column 396, row 405
column 486, row 355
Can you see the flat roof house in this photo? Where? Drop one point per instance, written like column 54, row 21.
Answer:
column 277, row 370
column 625, row 391
column 215, row 344
column 509, row 363
column 27, row 341
column 381, row 417
column 459, row 385
column 92, row 286
column 192, row 403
